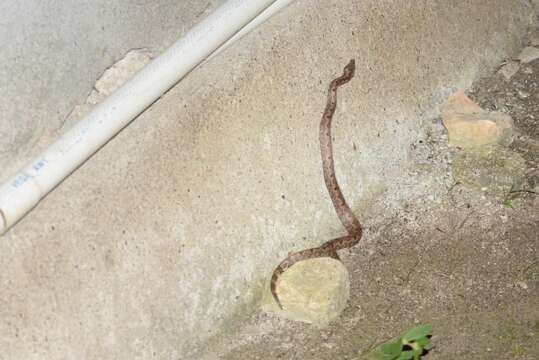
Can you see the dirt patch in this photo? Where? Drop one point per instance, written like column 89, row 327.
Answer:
column 469, row 266
column 518, row 97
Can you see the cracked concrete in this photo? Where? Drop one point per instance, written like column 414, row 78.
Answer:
column 166, row 237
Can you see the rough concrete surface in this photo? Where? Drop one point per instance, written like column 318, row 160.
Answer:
column 167, row 236
column 53, row 51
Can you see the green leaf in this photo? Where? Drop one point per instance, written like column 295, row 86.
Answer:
column 423, row 342
column 417, row 333
column 406, row 355
column 393, row 348
column 381, row 356
column 417, row 352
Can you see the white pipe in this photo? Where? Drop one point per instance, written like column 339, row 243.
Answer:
column 271, row 10
column 24, row 190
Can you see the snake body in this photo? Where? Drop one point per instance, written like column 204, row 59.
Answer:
column 346, row 216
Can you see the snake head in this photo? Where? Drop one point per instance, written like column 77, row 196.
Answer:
column 348, row 74
column 349, row 69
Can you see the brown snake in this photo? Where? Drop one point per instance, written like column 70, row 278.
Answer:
column 346, row 216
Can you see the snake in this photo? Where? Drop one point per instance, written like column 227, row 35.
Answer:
column 346, row 216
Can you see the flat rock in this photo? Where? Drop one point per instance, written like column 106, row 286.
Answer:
column 468, row 125
column 528, row 54
column 314, row 291
column 492, row 169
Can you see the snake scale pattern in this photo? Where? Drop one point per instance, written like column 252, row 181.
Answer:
column 346, row 216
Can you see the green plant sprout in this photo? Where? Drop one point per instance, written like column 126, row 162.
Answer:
column 410, row 345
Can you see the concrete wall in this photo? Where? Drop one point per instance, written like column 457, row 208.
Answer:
column 52, row 52
column 167, row 236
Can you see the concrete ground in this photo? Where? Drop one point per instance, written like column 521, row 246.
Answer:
column 164, row 240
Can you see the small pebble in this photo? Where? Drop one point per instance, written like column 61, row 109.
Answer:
column 523, row 94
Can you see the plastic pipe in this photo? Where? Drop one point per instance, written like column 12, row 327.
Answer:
column 271, row 10
column 24, row 190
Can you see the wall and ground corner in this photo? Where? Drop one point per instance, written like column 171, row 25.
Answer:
column 166, row 237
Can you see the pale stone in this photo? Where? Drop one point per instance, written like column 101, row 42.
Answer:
column 509, row 69
column 492, row 169
column 468, row 125
column 114, row 77
column 468, row 130
column 528, row 54
column 119, row 73
column 314, row 291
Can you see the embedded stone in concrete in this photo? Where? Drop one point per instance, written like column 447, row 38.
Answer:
column 468, row 125
column 493, row 169
column 509, row 69
column 119, row 73
column 313, row 291
column 111, row 79
column 528, row 54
